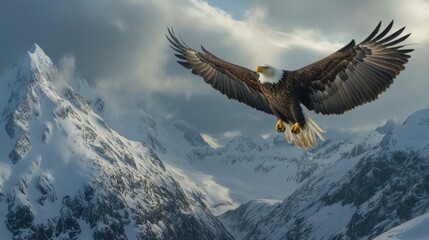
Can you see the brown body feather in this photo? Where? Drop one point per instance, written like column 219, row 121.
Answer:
column 284, row 100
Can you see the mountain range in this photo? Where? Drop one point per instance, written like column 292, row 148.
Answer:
column 379, row 185
column 71, row 168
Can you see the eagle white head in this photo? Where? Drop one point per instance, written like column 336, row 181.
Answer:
column 269, row 74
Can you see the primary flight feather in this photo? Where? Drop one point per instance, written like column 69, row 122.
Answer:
column 351, row 76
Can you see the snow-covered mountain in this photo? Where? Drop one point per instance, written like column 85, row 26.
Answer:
column 376, row 187
column 245, row 168
column 64, row 174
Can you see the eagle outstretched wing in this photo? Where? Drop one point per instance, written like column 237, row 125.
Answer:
column 354, row 75
column 234, row 81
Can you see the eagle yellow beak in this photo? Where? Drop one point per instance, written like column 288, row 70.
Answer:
column 260, row 69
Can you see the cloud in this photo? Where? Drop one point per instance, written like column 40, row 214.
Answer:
column 119, row 47
column 67, row 67
column 231, row 134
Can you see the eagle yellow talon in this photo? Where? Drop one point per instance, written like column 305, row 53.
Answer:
column 295, row 128
column 280, row 127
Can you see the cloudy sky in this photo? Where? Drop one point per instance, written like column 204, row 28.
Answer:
column 119, row 47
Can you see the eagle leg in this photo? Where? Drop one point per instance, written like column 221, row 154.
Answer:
column 280, row 126
column 295, row 128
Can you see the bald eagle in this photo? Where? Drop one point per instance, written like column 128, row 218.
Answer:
column 351, row 76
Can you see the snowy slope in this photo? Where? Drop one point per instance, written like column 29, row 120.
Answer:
column 415, row 229
column 376, row 187
column 64, row 174
column 242, row 220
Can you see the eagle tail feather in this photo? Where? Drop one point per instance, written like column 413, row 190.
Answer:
column 306, row 138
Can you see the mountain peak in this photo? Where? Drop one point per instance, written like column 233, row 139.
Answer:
column 34, row 61
column 387, row 127
column 415, row 129
column 35, row 48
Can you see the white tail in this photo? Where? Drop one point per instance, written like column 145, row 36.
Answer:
column 306, row 138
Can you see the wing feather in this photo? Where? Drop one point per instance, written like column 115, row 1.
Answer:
column 355, row 74
column 234, row 81
column 392, row 36
column 382, row 34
